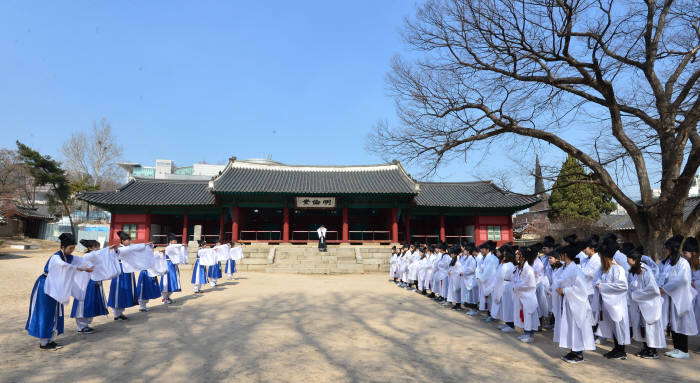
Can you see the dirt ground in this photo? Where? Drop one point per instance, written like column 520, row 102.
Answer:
column 295, row 328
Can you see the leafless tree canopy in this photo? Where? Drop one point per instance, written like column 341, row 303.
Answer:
column 625, row 73
column 94, row 155
column 16, row 182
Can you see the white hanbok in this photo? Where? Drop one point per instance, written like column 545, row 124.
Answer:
column 555, row 300
column 575, row 324
column 614, row 314
column 497, row 305
column 428, row 280
column 454, row 284
column 542, row 287
column 590, row 266
column 442, row 274
column 422, row 270
column 393, row 265
column 525, row 299
column 645, row 309
column 469, row 280
column 485, row 278
column 680, row 311
column 413, row 260
column 508, row 301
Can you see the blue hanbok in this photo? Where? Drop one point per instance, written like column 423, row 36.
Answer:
column 94, row 303
column 199, row 273
column 45, row 313
column 170, row 281
column 122, row 290
column 214, row 272
column 230, row 266
column 147, row 287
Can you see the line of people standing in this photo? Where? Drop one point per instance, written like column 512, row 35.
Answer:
column 583, row 291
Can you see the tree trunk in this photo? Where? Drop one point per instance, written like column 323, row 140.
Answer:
column 653, row 230
column 70, row 219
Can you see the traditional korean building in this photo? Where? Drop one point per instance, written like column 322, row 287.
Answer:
column 265, row 201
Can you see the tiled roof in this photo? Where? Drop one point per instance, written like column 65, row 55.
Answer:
column 624, row 222
column 140, row 192
column 480, row 194
column 247, row 177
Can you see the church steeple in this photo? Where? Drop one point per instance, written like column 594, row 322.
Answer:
column 539, row 183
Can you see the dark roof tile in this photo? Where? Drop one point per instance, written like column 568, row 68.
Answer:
column 141, row 192
column 480, row 194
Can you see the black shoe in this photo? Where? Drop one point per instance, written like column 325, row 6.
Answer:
column 123, row 317
column 87, row 330
column 572, row 357
column 51, row 346
column 649, row 353
column 616, row 354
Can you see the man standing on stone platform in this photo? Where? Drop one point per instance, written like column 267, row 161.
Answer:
column 322, row 239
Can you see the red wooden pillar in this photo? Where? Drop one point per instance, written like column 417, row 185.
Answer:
column 221, row 226
column 285, row 225
column 408, row 228
column 234, row 225
column 346, row 230
column 442, row 228
column 478, row 238
column 184, row 230
column 147, row 231
column 395, row 225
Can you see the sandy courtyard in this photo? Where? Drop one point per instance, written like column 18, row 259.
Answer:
column 295, row 328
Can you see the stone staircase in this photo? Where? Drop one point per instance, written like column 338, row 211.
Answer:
column 308, row 260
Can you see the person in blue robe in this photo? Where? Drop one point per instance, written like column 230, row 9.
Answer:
column 46, row 314
column 199, row 272
column 122, row 289
column 170, row 281
column 94, row 303
column 214, row 271
column 231, row 264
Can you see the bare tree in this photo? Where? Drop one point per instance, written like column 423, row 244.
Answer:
column 623, row 73
column 93, row 155
column 16, row 182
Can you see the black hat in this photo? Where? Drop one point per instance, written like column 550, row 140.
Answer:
column 690, row 245
column 67, row 239
column 88, row 243
column 202, row 242
column 123, row 236
column 548, row 241
column 393, row 248
column 627, row 247
column 172, row 237
column 608, row 248
column 634, row 254
column 674, row 243
column 571, row 239
column 536, row 247
column 593, row 242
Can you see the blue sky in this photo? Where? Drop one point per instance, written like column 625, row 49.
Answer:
column 303, row 82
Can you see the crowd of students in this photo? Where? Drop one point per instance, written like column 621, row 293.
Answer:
column 134, row 271
column 583, row 291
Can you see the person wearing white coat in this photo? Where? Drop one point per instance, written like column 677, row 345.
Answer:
column 469, row 289
column 555, row 299
column 423, row 265
column 574, row 324
column 502, row 302
column 442, row 275
column 393, row 265
column 590, row 266
column 525, row 295
column 679, row 311
column 613, row 321
column 690, row 253
column 454, row 278
column 645, row 307
column 485, row 276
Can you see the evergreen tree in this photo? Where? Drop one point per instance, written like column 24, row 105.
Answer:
column 572, row 199
column 47, row 171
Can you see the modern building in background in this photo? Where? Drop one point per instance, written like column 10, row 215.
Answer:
column 166, row 170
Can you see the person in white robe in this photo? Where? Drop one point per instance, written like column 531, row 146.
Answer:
column 413, row 261
column 393, row 265
column 590, row 266
column 471, row 296
column 90, row 301
column 422, row 271
column 507, row 300
column 454, row 276
column 525, row 295
column 691, row 254
column 574, row 324
column 504, row 270
column 645, row 307
column 321, row 232
column 613, row 321
column 677, row 287
column 51, row 291
column 429, row 264
column 443, row 266
column 555, row 299
column 435, row 282
column 485, row 276
column 544, row 285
